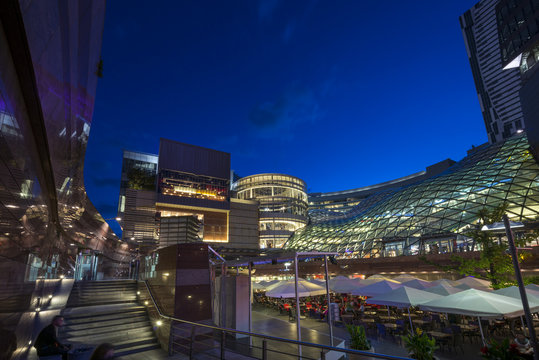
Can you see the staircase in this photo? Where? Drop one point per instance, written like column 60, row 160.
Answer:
column 106, row 311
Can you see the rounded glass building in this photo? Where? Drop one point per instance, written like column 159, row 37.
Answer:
column 282, row 205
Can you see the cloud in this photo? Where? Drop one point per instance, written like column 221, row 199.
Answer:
column 296, row 106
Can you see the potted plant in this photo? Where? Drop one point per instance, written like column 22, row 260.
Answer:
column 419, row 345
column 358, row 341
column 503, row 350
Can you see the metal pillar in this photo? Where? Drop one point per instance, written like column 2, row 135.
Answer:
column 411, row 324
column 328, row 300
column 298, row 311
column 250, row 301
column 521, row 288
column 223, row 295
column 481, row 330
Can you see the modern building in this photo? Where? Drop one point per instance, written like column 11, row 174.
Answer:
column 49, row 65
column 46, row 108
column 518, row 28
column 184, row 181
column 136, row 206
column 343, row 204
column 434, row 215
column 497, row 89
column 282, row 203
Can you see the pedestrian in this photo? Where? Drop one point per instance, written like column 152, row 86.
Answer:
column 103, row 352
column 47, row 341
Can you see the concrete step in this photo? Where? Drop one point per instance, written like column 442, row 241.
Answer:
column 112, row 337
column 93, row 303
column 90, row 318
column 136, row 349
column 103, row 323
column 110, row 329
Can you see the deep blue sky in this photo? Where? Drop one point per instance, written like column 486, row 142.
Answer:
column 342, row 94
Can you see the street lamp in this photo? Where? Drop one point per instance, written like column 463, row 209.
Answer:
column 507, row 225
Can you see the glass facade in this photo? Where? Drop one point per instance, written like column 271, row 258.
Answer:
column 282, row 205
column 181, row 184
column 497, row 89
column 433, row 215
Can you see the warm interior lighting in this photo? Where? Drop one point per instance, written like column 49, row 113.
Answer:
column 159, row 323
column 138, row 292
column 146, row 303
column 50, row 296
column 38, row 309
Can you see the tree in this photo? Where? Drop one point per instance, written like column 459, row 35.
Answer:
column 494, row 263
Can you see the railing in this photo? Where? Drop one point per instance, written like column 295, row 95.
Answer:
column 256, row 345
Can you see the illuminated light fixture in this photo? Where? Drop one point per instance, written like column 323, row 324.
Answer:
column 159, row 323
column 38, row 309
column 118, row 219
column 7, row 234
column 189, row 296
column 12, row 206
column 50, row 296
column 72, row 244
column 520, row 131
column 146, row 303
column 138, row 292
column 166, row 274
column 132, row 238
column 30, row 342
column 62, row 276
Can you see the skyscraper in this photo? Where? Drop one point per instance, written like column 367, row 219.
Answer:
column 497, row 89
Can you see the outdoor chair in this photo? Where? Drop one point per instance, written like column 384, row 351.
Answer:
column 381, row 330
column 458, row 339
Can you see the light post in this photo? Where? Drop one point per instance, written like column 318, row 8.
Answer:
column 518, row 275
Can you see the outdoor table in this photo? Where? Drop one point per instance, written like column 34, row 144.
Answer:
column 368, row 320
column 420, row 322
column 468, row 327
column 439, row 335
column 390, row 325
column 386, row 317
column 369, row 312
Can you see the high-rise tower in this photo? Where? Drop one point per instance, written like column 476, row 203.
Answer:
column 497, row 89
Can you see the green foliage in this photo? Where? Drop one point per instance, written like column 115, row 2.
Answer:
column 500, row 351
column 494, row 264
column 358, row 338
column 419, row 345
column 139, row 179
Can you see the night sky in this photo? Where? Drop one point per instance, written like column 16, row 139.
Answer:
column 342, row 94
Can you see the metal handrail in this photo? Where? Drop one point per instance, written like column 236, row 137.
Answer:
column 269, row 337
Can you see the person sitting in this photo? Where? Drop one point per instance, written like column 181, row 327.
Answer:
column 523, row 346
column 47, row 341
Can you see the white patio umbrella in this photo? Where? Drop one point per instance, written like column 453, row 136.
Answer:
column 342, row 284
column 445, row 281
column 370, row 281
column 378, row 276
column 273, row 283
column 404, row 278
column 418, row 284
column 287, row 289
column 514, row 292
column 532, row 287
column 377, row 288
column 474, row 282
column 478, row 303
column 258, row 286
column 404, row 297
column 444, row 289
column 318, row 282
